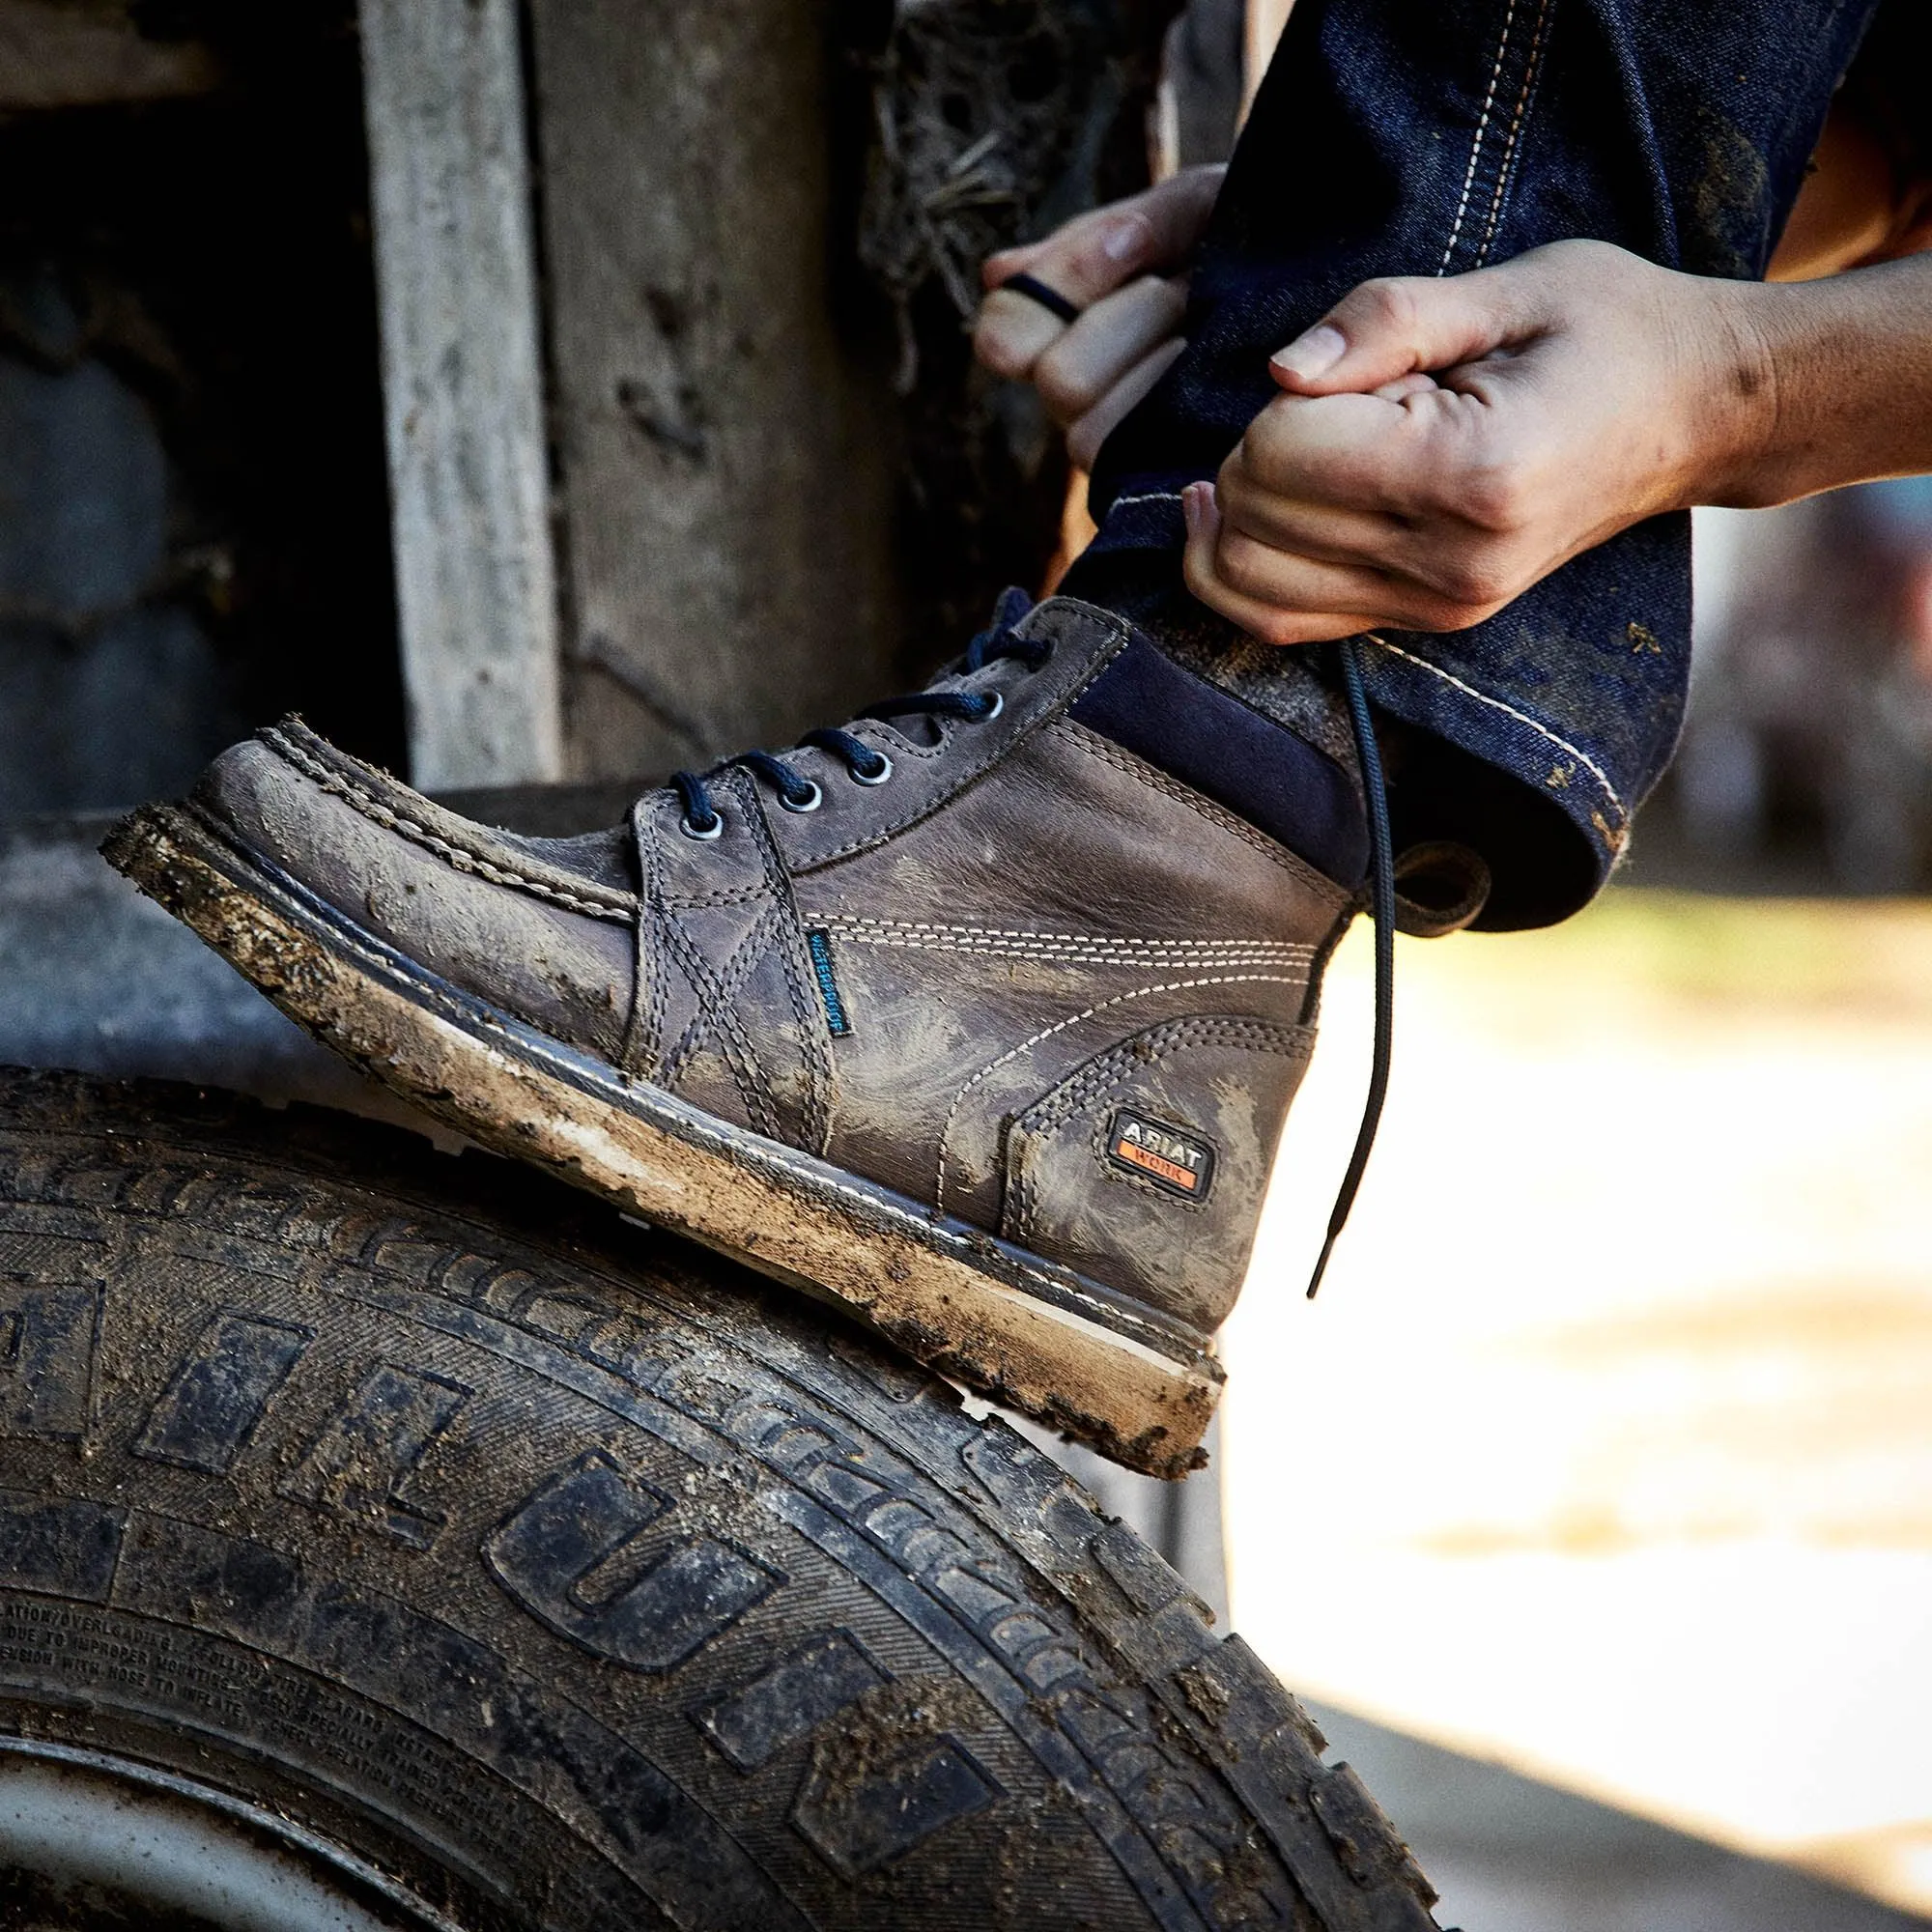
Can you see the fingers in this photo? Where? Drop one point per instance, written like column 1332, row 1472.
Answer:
column 1272, row 623
column 1111, row 338
column 1385, row 331
column 1156, row 230
column 1088, row 259
column 1291, row 572
column 1324, row 531
column 1085, row 437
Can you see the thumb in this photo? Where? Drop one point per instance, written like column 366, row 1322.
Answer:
column 1397, row 326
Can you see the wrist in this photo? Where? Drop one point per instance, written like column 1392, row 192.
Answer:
column 1733, row 401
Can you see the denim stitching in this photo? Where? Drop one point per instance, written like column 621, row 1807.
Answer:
column 1503, row 174
column 1119, row 1000
column 1509, row 710
column 1482, row 134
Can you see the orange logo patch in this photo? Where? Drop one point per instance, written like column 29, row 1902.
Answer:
column 1180, row 1162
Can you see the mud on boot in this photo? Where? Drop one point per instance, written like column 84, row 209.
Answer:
column 964, row 1017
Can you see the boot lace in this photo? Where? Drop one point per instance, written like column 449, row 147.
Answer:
column 1381, row 908
column 866, row 764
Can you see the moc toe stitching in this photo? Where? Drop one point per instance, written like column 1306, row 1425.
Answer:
column 461, row 858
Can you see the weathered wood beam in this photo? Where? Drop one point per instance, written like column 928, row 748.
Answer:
column 728, row 455
column 463, row 393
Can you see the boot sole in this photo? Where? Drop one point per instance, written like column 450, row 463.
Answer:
column 1137, row 1385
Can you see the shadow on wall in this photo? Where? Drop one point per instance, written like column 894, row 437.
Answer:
column 193, row 512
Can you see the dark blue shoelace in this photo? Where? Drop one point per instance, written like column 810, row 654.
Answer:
column 863, row 762
column 1381, row 909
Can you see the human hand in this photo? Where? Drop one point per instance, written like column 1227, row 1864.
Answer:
column 1441, row 445
column 1123, row 266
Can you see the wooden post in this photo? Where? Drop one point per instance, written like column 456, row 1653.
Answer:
column 461, row 377
column 727, row 461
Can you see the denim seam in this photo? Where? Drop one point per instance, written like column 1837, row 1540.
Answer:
column 1147, row 496
column 1531, row 66
column 1482, row 135
column 1521, row 716
column 992, row 1066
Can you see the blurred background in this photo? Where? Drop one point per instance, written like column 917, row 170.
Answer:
column 539, row 395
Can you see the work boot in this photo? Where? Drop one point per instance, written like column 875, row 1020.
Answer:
column 969, row 1017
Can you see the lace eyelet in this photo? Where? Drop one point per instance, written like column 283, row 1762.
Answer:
column 810, row 802
column 996, row 702
column 878, row 774
column 704, row 835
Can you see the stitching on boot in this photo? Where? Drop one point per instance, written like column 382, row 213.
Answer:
column 458, row 858
column 1053, row 714
column 645, row 1045
column 1218, row 817
column 788, row 940
column 1072, row 948
column 1115, row 1067
column 1047, row 1032
column 716, row 992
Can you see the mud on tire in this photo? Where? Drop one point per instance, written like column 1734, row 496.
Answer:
column 534, row 1570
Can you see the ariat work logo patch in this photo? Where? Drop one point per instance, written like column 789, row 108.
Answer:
column 1178, row 1162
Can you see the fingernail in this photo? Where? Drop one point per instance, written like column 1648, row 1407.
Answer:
column 1126, row 238
column 1312, row 353
column 1190, row 508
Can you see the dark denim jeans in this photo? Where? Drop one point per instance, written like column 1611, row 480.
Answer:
column 1430, row 137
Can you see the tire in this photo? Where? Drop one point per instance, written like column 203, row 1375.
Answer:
column 481, row 1561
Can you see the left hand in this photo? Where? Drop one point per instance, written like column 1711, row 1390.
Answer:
column 1441, row 445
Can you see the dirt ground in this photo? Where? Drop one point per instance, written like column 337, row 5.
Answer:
column 1611, row 1431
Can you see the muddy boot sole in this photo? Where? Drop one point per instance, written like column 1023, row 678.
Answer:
column 1137, row 1385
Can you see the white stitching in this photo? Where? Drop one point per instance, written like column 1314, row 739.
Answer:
column 920, row 937
column 456, row 856
column 1510, row 710
column 1482, row 133
column 1119, row 1000
column 1146, row 497
column 1529, row 73
column 1071, row 731
column 1071, row 956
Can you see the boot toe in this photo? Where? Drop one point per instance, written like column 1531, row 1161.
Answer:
column 453, row 897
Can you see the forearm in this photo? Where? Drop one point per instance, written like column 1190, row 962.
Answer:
column 1829, row 383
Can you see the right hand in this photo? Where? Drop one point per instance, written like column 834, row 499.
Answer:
column 1125, row 267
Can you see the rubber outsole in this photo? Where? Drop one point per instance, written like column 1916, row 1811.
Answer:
column 1138, row 1386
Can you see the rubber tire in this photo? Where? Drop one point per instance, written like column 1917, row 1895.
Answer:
column 571, row 1578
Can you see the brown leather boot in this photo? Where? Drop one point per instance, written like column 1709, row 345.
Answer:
column 979, row 1026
